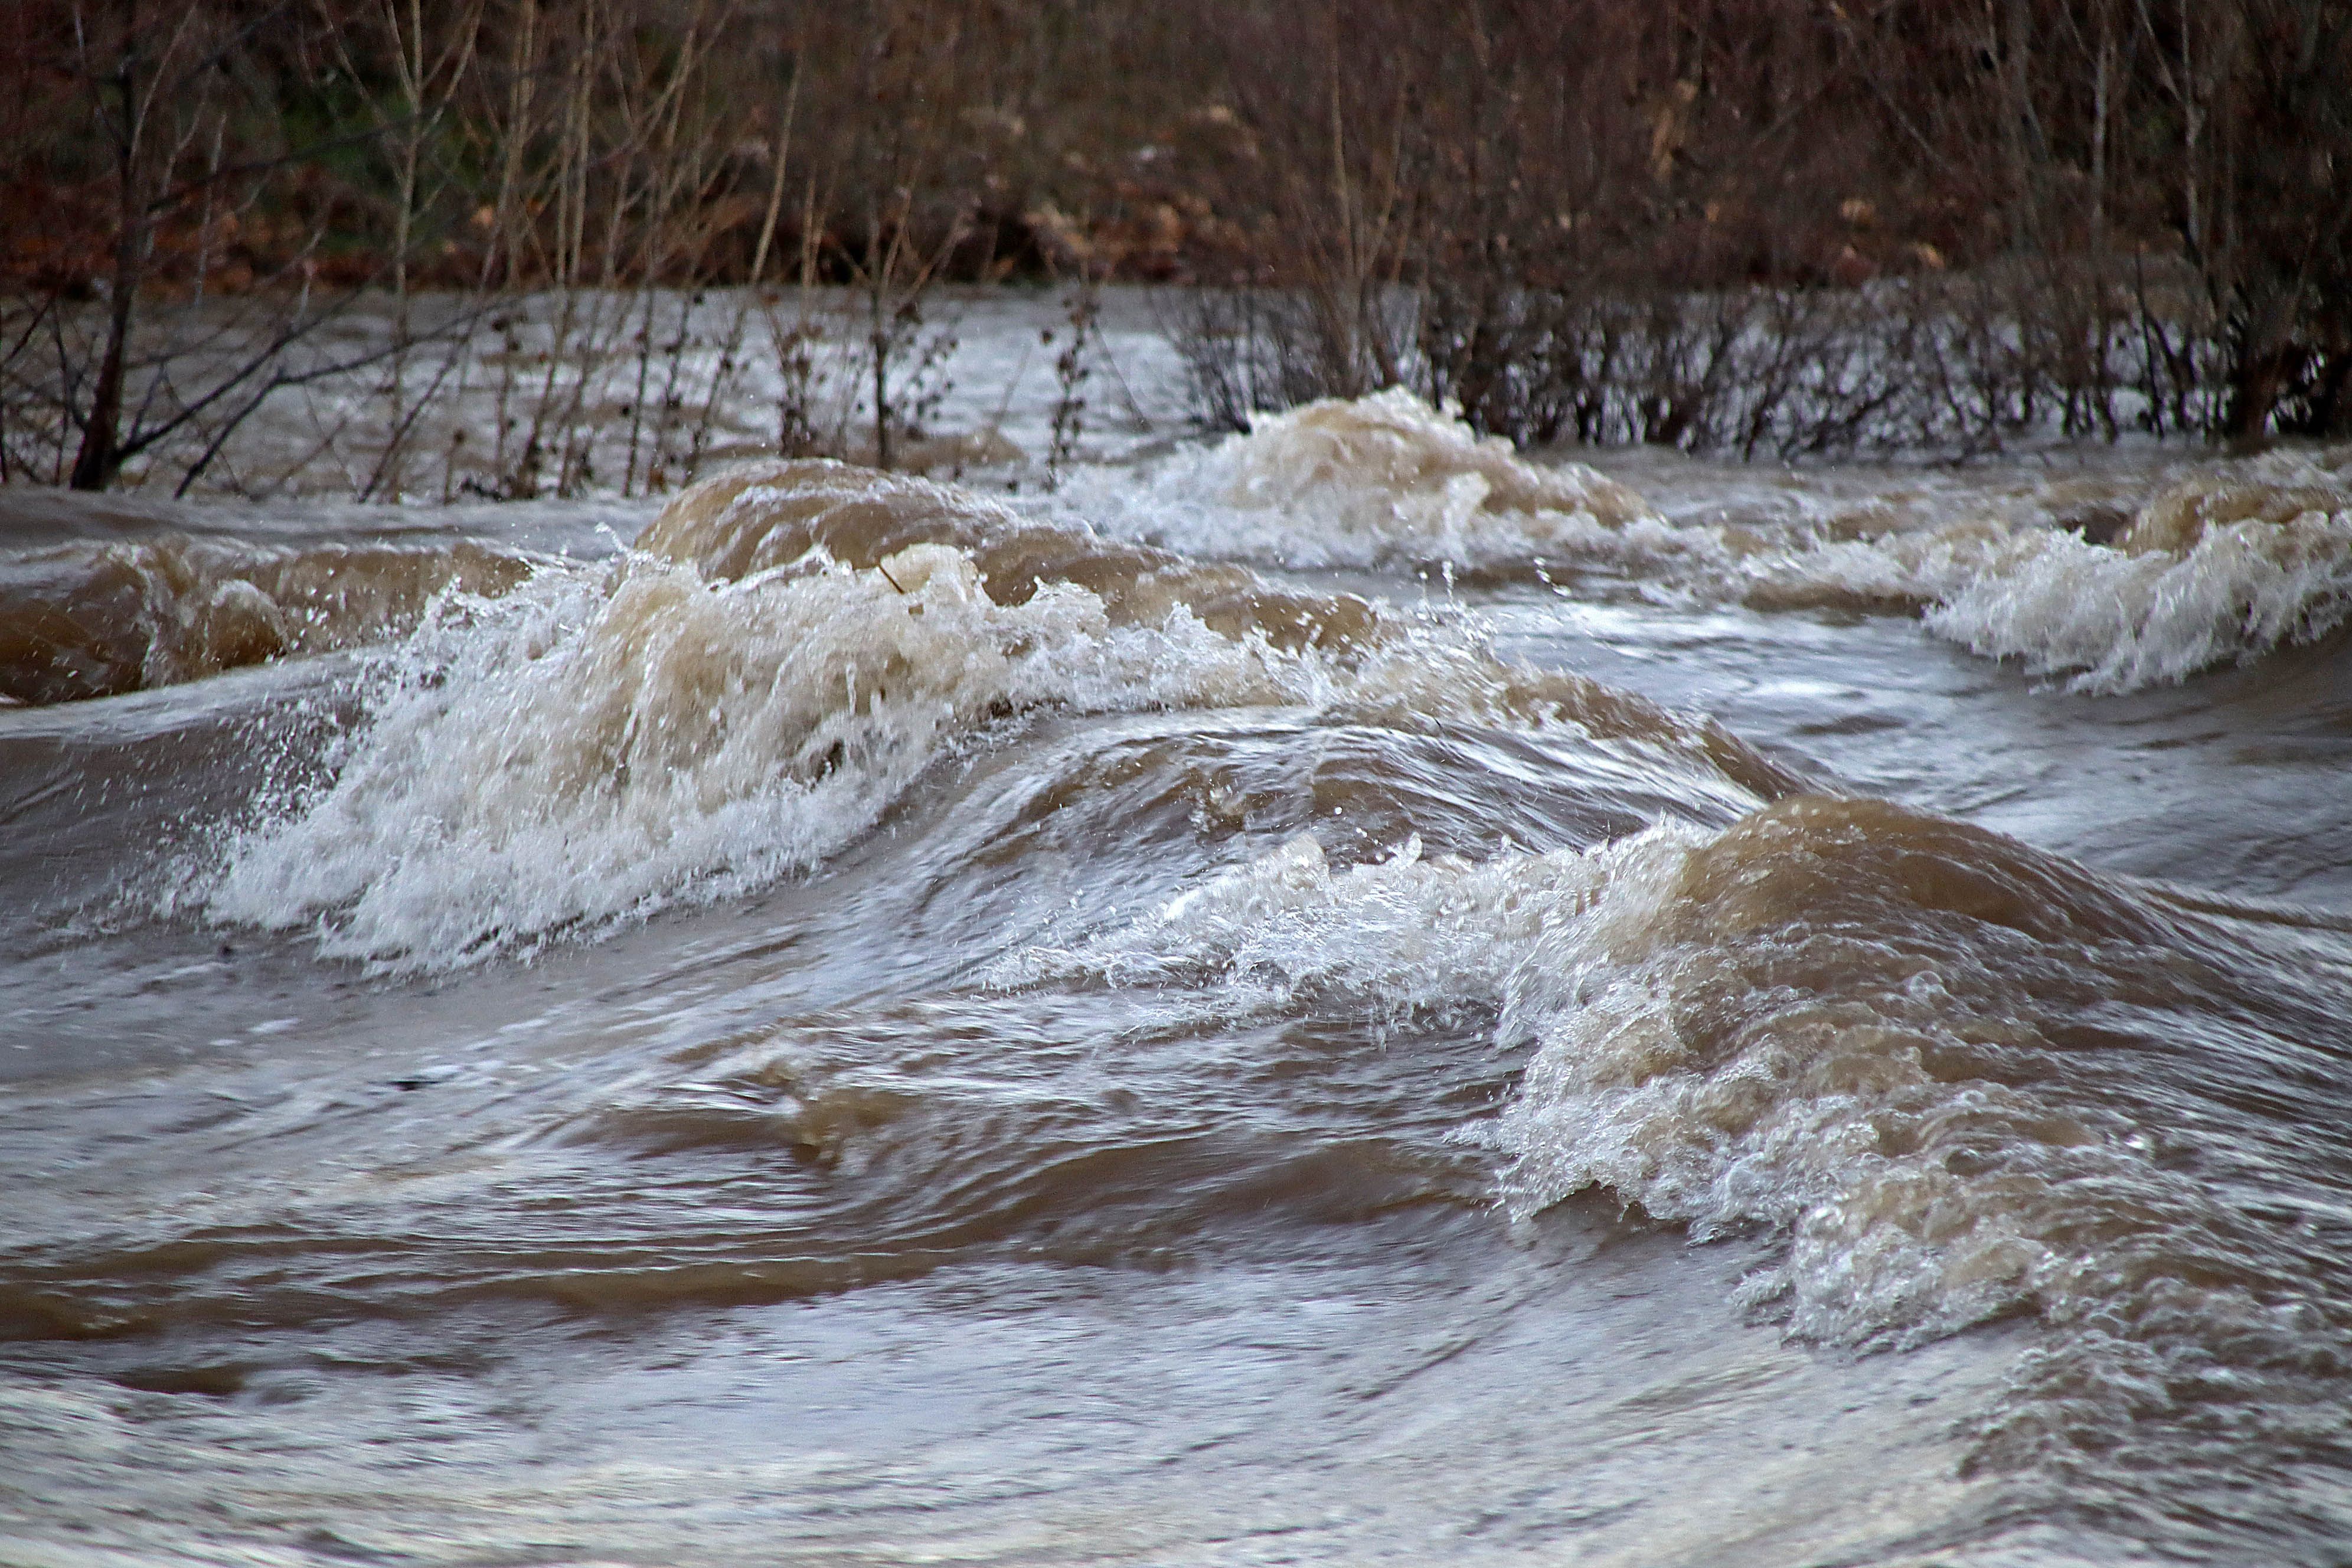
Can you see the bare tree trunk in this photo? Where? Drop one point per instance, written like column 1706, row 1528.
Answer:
column 100, row 457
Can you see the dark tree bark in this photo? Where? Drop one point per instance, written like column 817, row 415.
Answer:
column 100, row 458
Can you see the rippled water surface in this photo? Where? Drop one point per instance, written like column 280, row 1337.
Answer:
column 1341, row 996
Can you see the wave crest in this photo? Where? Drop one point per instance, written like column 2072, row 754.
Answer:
column 784, row 515
column 95, row 620
column 2211, row 569
column 747, row 693
column 2221, row 563
column 1925, row 1056
column 1381, row 480
column 602, row 744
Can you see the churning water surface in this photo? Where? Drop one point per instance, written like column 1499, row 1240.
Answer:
column 1345, row 995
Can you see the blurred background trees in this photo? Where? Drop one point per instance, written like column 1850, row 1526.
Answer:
column 1765, row 224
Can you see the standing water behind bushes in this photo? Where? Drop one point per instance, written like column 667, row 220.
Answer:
column 1345, row 995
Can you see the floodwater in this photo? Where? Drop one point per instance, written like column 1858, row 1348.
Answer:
column 1341, row 996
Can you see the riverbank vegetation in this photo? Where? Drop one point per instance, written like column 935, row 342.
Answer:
column 1766, row 226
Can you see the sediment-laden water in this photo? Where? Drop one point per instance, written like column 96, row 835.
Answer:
column 1343, row 996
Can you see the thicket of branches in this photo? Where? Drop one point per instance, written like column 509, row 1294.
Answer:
column 1787, row 225
column 1780, row 225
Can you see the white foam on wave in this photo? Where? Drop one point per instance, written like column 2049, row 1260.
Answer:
column 2228, row 563
column 602, row 742
column 2121, row 621
column 2106, row 620
column 1704, row 1049
column 1379, row 480
column 733, row 701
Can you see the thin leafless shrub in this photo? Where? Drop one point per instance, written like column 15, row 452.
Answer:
column 1073, row 368
column 1815, row 228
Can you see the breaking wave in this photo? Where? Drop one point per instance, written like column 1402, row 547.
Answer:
column 1958, row 1079
column 749, row 689
column 2209, row 572
column 2225, row 562
column 1376, row 481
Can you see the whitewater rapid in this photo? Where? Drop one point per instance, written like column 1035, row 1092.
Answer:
column 1346, row 994
column 755, row 684
column 2210, row 563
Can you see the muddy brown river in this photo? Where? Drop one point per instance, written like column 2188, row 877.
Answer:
column 1341, row 996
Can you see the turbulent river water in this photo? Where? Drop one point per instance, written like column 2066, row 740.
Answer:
column 1345, row 995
